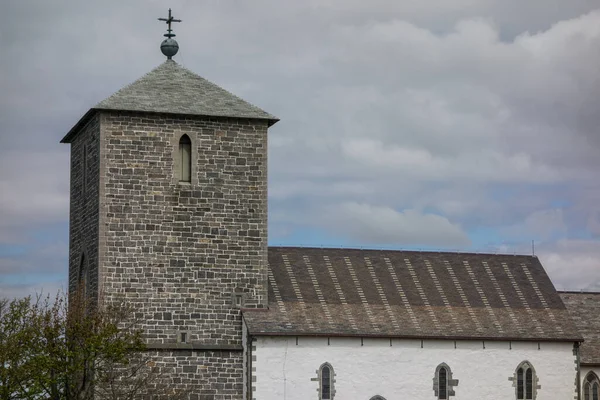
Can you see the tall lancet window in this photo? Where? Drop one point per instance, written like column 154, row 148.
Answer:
column 326, row 382
column 526, row 382
column 443, row 384
column 591, row 387
column 185, row 159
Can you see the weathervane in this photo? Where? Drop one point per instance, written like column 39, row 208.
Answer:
column 169, row 46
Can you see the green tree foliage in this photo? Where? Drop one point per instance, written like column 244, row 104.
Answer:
column 54, row 349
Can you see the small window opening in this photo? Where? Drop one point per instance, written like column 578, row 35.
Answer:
column 183, row 337
column 238, row 299
column 185, row 159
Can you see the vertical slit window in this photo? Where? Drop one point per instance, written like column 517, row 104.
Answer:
column 84, row 169
column 185, row 159
column 83, row 276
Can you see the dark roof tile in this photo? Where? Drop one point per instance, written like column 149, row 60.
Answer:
column 584, row 308
column 352, row 292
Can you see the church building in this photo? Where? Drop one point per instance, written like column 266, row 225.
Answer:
column 168, row 210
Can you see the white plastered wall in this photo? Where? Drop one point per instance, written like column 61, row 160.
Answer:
column 245, row 355
column 286, row 366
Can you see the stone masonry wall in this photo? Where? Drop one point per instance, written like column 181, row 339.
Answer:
column 179, row 251
column 84, row 203
column 199, row 375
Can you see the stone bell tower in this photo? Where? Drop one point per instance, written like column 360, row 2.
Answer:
column 169, row 211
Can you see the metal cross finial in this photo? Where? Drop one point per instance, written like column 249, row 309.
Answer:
column 169, row 33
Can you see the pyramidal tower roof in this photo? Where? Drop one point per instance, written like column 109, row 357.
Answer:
column 173, row 89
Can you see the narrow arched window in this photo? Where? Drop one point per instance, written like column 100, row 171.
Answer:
column 377, row 397
column 526, row 382
column 591, row 387
column 185, row 159
column 443, row 384
column 325, row 376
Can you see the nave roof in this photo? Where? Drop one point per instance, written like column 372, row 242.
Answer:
column 351, row 292
column 584, row 308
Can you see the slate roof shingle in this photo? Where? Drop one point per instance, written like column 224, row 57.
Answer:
column 173, row 89
column 351, row 292
column 584, row 308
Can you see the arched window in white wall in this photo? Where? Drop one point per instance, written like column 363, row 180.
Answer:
column 377, row 397
column 443, row 384
column 526, row 381
column 591, row 387
column 326, row 378
column 184, row 171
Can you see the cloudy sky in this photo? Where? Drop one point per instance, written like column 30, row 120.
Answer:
column 466, row 125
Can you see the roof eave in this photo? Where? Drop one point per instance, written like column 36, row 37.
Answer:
column 419, row 337
column 91, row 112
column 77, row 127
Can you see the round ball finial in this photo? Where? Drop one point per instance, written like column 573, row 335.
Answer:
column 169, row 47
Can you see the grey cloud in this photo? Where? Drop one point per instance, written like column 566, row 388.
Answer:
column 43, row 289
column 364, row 223
column 38, row 259
column 573, row 264
column 431, row 107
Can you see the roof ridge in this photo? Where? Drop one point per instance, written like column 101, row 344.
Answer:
column 432, row 251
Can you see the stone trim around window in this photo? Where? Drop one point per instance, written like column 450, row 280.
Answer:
column 318, row 379
column 451, row 383
column 535, row 381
